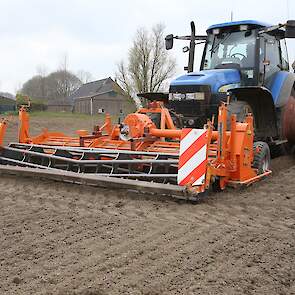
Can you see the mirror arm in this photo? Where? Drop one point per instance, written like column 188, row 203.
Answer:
column 188, row 38
column 270, row 29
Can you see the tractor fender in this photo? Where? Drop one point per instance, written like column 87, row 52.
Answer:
column 283, row 91
column 287, row 118
column 281, row 87
column 261, row 102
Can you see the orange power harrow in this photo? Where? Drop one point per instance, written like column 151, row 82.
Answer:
column 146, row 152
column 229, row 159
column 138, row 132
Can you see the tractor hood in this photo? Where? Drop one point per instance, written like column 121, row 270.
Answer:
column 213, row 78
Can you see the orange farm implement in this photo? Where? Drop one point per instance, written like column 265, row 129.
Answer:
column 146, row 152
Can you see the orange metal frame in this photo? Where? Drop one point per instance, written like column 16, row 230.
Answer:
column 3, row 127
column 230, row 153
column 144, row 135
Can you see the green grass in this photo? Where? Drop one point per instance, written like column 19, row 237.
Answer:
column 67, row 115
column 59, row 114
column 45, row 114
column 10, row 113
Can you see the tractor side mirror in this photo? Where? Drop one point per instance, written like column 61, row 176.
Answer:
column 290, row 29
column 169, row 41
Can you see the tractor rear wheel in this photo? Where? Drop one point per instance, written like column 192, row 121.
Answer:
column 261, row 160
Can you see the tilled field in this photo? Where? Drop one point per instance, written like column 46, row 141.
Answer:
column 60, row 122
column 68, row 239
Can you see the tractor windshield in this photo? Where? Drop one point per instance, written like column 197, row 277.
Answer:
column 230, row 48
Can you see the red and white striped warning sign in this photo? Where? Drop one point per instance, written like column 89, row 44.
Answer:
column 192, row 157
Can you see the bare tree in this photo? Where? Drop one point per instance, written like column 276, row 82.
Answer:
column 84, row 76
column 61, row 84
column 148, row 66
column 64, row 62
column 58, row 85
column 123, row 79
column 42, row 72
column 62, row 87
column 32, row 87
column 17, row 87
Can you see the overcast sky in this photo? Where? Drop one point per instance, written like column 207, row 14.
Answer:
column 96, row 34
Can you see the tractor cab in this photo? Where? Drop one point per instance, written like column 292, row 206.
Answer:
column 232, row 48
column 245, row 58
column 246, row 46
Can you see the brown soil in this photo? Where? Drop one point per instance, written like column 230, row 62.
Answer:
column 67, row 124
column 68, row 239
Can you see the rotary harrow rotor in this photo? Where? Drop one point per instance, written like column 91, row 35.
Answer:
column 157, row 167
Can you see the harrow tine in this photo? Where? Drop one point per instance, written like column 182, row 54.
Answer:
column 156, row 167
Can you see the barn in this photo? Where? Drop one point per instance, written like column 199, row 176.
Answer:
column 7, row 102
column 102, row 96
column 59, row 105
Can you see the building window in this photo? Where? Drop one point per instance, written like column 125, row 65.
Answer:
column 113, row 94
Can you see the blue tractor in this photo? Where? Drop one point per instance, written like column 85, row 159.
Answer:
column 245, row 62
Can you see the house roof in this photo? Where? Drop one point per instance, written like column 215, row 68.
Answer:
column 94, row 88
column 7, row 95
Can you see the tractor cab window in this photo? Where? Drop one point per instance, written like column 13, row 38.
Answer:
column 270, row 60
column 230, row 48
column 284, row 53
column 235, row 50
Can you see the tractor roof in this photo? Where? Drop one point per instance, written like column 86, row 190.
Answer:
column 251, row 23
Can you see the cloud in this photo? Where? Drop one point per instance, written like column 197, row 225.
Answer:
column 97, row 34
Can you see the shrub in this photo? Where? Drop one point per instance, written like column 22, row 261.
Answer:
column 35, row 104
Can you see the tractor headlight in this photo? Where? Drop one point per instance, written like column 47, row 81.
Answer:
column 176, row 96
column 226, row 87
column 191, row 122
column 187, row 96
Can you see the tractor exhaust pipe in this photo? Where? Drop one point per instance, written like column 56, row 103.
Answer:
column 192, row 38
column 191, row 57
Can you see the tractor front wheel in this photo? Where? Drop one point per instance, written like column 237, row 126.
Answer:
column 261, row 160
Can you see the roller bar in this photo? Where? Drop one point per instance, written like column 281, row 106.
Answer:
column 174, row 191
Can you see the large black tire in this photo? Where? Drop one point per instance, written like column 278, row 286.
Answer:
column 240, row 108
column 215, row 185
column 280, row 150
column 261, row 160
column 177, row 119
